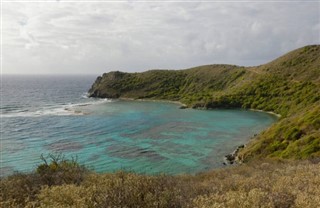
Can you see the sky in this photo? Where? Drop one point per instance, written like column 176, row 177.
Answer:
column 93, row 37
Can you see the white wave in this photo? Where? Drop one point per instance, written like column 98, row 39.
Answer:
column 93, row 101
column 85, row 95
column 59, row 110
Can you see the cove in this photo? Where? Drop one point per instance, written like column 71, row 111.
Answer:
column 144, row 137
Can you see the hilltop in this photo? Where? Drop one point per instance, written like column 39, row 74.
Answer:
column 288, row 86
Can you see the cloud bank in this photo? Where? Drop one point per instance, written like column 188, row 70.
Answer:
column 95, row 37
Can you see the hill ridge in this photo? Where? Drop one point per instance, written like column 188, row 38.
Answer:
column 288, row 85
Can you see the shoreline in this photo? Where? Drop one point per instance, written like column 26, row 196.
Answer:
column 183, row 106
column 154, row 100
column 269, row 112
column 232, row 158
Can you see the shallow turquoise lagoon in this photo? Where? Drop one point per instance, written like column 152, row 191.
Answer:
column 145, row 137
column 48, row 114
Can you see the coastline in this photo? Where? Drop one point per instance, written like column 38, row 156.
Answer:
column 155, row 100
column 186, row 106
column 232, row 158
column 269, row 112
column 183, row 106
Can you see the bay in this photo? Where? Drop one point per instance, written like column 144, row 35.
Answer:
column 51, row 114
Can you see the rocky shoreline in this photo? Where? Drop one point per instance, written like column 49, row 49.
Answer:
column 232, row 158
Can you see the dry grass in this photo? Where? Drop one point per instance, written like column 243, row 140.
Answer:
column 266, row 184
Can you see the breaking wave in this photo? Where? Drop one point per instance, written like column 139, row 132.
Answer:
column 54, row 110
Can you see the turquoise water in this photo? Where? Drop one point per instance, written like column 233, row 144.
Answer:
column 108, row 135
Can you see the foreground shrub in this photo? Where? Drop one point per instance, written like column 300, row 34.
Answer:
column 132, row 190
column 57, row 170
column 277, row 184
column 64, row 196
column 19, row 189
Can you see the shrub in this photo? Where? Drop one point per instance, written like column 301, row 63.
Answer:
column 57, row 170
column 21, row 189
column 18, row 189
column 266, row 183
column 293, row 134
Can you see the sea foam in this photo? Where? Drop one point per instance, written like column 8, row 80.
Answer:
column 56, row 110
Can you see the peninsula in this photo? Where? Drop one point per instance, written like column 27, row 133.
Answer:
column 288, row 86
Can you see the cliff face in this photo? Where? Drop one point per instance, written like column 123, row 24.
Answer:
column 104, row 87
column 288, row 86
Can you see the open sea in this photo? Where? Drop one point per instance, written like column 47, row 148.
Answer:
column 52, row 114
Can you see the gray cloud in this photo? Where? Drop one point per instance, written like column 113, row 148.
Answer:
column 84, row 37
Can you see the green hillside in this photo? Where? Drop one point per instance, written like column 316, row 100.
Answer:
column 289, row 86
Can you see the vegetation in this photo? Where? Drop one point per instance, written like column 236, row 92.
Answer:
column 266, row 184
column 288, row 86
column 19, row 189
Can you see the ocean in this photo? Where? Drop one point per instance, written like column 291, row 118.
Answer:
column 52, row 114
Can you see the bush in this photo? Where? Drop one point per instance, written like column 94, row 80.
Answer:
column 260, row 184
column 57, row 170
column 17, row 190
column 293, row 134
column 21, row 189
